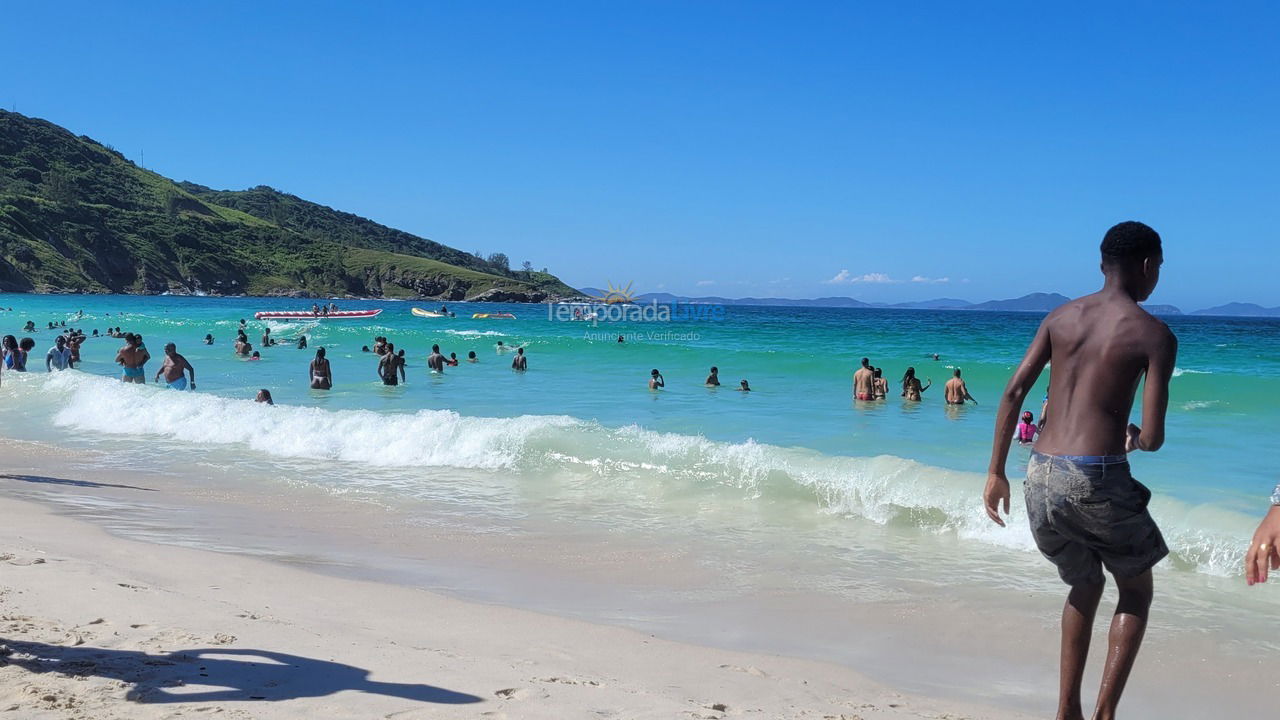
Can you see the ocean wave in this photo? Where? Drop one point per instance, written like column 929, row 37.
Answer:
column 1200, row 404
column 1179, row 372
column 885, row 489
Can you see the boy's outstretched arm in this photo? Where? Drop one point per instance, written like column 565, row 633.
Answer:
column 997, row 490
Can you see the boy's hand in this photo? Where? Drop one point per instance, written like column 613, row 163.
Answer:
column 1263, row 554
column 1131, row 438
column 997, row 490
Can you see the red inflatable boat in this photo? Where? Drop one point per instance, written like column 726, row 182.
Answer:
column 308, row 315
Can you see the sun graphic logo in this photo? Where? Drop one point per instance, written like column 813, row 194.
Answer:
column 618, row 295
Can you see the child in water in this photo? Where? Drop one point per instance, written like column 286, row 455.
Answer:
column 1027, row 429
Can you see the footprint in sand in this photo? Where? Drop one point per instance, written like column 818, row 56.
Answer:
column 756, row 672
column 569, row 681
column 509, row 693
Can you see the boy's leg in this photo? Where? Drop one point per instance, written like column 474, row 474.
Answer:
column 1127, row 628
column 1077, row 629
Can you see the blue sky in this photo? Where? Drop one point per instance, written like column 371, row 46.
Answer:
column 734, row 148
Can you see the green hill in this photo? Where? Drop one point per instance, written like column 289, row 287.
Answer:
column 77, row 216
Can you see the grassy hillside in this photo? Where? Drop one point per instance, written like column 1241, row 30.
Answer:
column 77, row 216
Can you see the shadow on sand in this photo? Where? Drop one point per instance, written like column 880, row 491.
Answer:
column 217, row 674
column 73, row 483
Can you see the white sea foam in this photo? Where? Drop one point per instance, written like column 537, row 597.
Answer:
column 1179, row 372
column 476, row 333
column 1200, row 404
column 427, row 438
column 884, row 489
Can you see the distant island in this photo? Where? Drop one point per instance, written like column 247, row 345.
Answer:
column 78, row 217
column 1035, row 302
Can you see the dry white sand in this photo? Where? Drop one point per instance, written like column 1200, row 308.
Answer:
column 95, row 626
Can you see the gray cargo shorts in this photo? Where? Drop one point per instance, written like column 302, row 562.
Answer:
column 1089, row 512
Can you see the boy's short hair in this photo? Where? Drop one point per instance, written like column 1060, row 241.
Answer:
column 1130, row 240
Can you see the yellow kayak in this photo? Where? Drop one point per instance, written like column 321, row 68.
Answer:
column 507, row 316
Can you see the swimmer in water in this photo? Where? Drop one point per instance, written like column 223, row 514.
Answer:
column 621, row 340
column 59, row 356
column 453, row 360
column 264, row 396
column 471, row 357
column 911, row 388
column 743, row 386
column 131, row 358
column 391, row 367
column 208, row 339
column 656, row 380
column 255, row 356
column 864, row 386
column 320, row 372
column 175, row 368
column 881, row 384
column 267, row 340
column 713, row 380
column 436, row 361
column 956, row 391
column 302, row 342
column 501, row 348
column 1027, row 429
column 520, row 362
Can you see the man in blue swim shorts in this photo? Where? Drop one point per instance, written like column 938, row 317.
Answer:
column 174, row 369
column 131, row 358
column 1086, row 510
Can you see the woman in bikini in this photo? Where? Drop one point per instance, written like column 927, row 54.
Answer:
column 321, row 375
column 911, row 389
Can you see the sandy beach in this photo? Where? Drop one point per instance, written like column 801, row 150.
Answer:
column 97, row 626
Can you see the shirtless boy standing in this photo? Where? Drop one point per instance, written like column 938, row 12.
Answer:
column 1086, row 510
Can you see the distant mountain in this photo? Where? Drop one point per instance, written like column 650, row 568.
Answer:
column 1236, row 309
column 1162, row 309
column 1035, row 302
column 77, row 216
column 663, row 297
column 939, row 304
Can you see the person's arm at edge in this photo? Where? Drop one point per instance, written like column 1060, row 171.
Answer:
column 1155, row 397
column 1257, row 561
column 48, row 361
column 1024, row 377
column 191, row 369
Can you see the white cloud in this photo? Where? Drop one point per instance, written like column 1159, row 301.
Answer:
column 845, row 278
column 704, row 283
column 929, row 280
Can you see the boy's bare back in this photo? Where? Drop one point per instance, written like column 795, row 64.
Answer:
column 1099, row 347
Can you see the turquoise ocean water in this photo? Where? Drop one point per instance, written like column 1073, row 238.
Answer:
column 792, row 475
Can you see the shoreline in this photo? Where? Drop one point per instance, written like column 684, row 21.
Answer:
column 964, row 648
column 140, row 630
